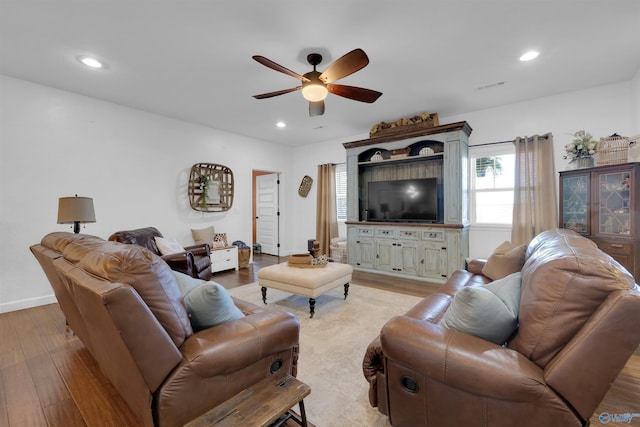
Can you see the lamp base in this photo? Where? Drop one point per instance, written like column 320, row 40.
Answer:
column 76, row 227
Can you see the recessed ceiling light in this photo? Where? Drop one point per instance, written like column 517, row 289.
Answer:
column 281, row 124
column 91, row 62
column 532, row 54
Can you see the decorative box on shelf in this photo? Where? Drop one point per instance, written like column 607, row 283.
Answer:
column 399, row 153
column 224, row 258
column 404, row 125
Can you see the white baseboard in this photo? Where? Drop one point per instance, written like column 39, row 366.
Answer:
column 27, row 303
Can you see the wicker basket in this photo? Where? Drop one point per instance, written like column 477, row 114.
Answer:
column 339, row 254
column 613, row 150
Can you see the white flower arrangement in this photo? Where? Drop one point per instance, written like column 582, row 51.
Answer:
column 583, row 146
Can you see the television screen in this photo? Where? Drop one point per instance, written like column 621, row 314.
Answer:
column 409, row 200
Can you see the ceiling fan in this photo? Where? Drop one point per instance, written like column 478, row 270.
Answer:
column 316, row 85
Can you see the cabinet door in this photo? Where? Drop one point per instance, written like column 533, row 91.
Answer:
column 574, row 213
column 408, row 257
column 614, row 214
column 434, row 261
column 364, row 252
column 385, row 257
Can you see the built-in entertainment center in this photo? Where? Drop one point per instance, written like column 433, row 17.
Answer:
column 407, row 202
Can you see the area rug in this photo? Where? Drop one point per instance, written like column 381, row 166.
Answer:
column 332, row 346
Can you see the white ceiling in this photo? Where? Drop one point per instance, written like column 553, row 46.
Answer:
column 191, row 59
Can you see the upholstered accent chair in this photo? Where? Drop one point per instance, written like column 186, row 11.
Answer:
column 195, row 261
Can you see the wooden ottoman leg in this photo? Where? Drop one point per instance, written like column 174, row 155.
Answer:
column 312, row 306
column 346, row 290
column 264, row 294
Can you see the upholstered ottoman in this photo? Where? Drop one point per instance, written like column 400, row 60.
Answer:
column 308, row 282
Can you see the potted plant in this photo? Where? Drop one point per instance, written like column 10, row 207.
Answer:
column 582, row 149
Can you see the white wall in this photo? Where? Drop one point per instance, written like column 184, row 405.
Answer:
column 635, row 108
column 601, row 110
column 134, row 165
column 306, row 161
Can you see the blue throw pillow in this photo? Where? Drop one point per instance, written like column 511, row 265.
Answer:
column 489, row 312
column 186, row 283
column 209, row 305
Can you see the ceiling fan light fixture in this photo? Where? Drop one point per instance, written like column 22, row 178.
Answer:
column 314, row 92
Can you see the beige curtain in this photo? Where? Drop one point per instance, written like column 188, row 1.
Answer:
column 535, row 201
column 326, row 214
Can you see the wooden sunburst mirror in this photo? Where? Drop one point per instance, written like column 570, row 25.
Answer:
column 210, row 187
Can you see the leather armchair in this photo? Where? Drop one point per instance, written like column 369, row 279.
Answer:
column 577, row 311
column 195, row 261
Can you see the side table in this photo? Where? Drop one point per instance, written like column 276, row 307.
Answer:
column 224, row 258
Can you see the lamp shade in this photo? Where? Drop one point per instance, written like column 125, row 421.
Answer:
column 75, row 209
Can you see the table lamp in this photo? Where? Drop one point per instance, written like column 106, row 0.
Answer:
column 75, row 210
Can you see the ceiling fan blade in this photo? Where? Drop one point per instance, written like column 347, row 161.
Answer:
column 274, row 66
column 276, row 93
column 316, row 108
column 356, row 93
column 347, row 64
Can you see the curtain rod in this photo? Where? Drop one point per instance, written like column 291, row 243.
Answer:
column 546, row 136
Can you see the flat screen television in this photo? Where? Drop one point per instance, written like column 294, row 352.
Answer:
column 407, row 200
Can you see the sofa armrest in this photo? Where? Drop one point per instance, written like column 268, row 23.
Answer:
column 237, row 344
column 202, row 249
column 179, row 257
column 247, row 307
column 182, row 262
column 461, row 361
column 475, row 266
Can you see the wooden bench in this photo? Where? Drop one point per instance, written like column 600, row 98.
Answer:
column 266, row 403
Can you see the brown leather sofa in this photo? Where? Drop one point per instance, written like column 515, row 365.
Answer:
column 195, row 261
column 578, row 326
column 124, row 304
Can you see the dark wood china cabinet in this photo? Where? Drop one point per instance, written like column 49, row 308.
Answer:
column 603, row 204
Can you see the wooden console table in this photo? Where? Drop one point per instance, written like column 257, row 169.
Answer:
column 264, row 404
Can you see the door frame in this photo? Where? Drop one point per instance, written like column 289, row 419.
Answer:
column 254, row 174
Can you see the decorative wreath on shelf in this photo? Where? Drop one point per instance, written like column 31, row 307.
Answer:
column 210, row 187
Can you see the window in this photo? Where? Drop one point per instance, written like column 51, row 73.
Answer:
column 341, row 191
column 492, row 181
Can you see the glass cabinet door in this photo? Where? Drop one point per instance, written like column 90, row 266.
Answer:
column 614, row 196
column 575, row 203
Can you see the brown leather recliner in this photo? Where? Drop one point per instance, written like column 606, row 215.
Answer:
column 195, row 261
column 579, row 311
column 125, row 305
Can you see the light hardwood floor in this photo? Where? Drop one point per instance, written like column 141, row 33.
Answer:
column 48, row 378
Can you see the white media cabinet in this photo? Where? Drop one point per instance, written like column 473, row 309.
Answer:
column 416, row 250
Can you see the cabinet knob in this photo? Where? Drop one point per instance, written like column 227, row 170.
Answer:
column 616, row 245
